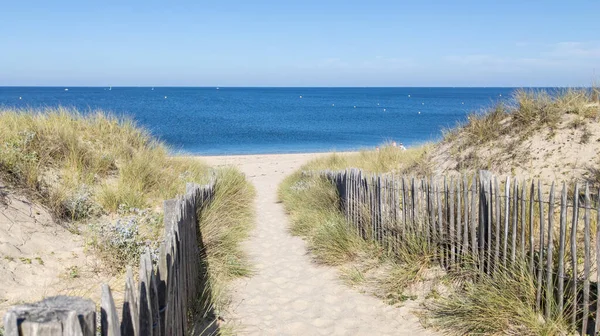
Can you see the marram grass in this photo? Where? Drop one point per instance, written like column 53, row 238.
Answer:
column 89, row 168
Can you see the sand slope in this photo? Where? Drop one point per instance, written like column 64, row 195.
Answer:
column 39, row 258
column 289, row 294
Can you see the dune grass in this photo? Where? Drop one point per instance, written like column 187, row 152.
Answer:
column 502, row 304
column 460, row 302
column 388, row 159
column 224, row 224
column 78, row 165
column 109, row 177
column 313, row 206
column 529, row 111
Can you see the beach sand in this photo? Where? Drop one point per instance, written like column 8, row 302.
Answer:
column 289, row 294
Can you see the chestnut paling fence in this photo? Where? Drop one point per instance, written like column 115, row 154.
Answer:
column 552, row 232
column 159, row 303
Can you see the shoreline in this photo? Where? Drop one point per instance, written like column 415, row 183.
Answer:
column 256, row 164
column 309, row 152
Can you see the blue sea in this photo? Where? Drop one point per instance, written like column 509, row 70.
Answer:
column 211, row 121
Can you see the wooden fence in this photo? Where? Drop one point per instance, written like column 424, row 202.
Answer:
column 160, row 303
column 490, row 225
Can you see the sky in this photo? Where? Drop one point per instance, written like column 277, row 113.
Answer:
column 299, row 43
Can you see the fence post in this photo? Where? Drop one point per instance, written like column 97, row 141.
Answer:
column 550, row 249
column 506, row 216
column 574, row 252
column 513, row 251
column 452, row 257
column 57, row 315
column 497, row 220
column 561, row 248
column 586, row 261
column 540, row 269
column 109, row 325
column 458, row 220
column 597, row 325
column 485, row 178
column 531, row 245
column 474, row 219
column 466, row 226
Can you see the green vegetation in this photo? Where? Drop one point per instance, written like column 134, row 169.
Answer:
column 313, row 206
column 224, row 224
column 460, row 301
column 107, row 179
column 531, row 111
column 84, row 165
column 388, row 159
column 500, row 305
column 25, row 260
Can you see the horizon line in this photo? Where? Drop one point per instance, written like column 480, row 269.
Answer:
column 279, row 87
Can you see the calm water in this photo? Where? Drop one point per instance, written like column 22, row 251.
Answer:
column 273, row 120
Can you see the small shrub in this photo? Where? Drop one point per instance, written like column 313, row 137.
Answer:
column 585, row 135
column 577, row 122
column 73, row 272
column 119, row 244
column 482, row 128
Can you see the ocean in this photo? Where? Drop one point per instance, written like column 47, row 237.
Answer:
column 227, row 121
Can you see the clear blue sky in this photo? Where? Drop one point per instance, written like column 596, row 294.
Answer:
column 299, row 43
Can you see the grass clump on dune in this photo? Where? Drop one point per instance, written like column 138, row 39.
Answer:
column 460, row 302
column 313, row 206
column 502, row 304
column 224, row 224
column 113, row 176
column 74, row 162
column 388, row 159
column 530, row 111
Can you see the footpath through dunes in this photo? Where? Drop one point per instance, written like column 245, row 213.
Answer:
column 288, row 293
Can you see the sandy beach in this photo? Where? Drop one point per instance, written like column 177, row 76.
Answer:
column 289, row 294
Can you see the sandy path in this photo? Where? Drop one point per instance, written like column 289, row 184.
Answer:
column 290, row 294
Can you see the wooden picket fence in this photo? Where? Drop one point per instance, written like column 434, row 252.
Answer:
column 478, row 222
column 160, row 303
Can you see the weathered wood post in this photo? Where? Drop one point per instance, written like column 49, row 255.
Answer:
column 485, row 180
column 57, row 315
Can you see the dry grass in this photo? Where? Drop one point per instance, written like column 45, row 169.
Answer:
column 530, row 111
column 500, row 305
column 387, row 159
column 224, row 224
column 111, row 175
column 313, row 206
column 78, row 165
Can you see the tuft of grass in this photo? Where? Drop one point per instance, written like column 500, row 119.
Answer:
column 502, row 304
column 313, row 206
column 388, row 159
column 224, row 223
column 83, row 166
column 482, row 128
column 25, row 260
column 80, row 165
column 411, row 264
